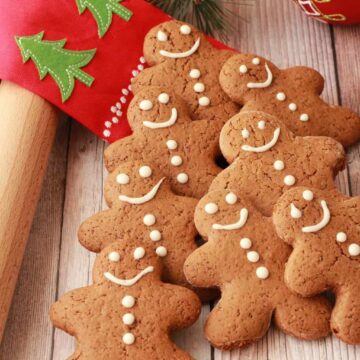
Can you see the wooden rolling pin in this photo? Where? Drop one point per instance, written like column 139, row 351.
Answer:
column 27, row 129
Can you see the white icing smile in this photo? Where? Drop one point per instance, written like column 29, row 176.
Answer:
column 266, row 147
column 238, row 225
column 264, row 84
column 143, row 199
column 164, row 124
column 325, row 220
column 181, row 54
column 128, row 282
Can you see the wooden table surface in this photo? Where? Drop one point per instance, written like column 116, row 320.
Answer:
column 55, row 262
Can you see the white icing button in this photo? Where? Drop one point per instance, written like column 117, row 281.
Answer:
column 128, row 319
column 280, row 96
column 308, row 195
column 253, row 256
column 204, row 101
column 185, row 29
column 171, row 144
column 292, row 107
column 145, row 171
column 211, row 208
column 145, row 105
column 261, row 125
column 256, row 61
column 245, row 243
column 128, row 301
column 122, row 179
column 341, row 237
column 243, row 69
column 245, row 133
column 164, row 98
column 182, row 178
column 161, row 251
column 155, row 235
column 354, row 249
column 149, row 219
column 295, row 213
column 199, row 87
column 139, row 253
column 161, row 36
column 176, row 160
column 195, row 73
column 289, row 180
column 230, row 198
column 262, row 272
column 114, row 256
column 128, row 338
column 304, row 117
column 279, row 165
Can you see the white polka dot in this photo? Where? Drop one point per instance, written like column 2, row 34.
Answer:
column 308, row 195
column 211, row 208
column 107, row 133
column 230, row 198
column 125, row 91
column 164, row 98
column 182, row 178
column 128, row 301
column 292, row 107
column 161, row 36
column 161, row 251
column 139, row 253
column 122, row 179
column 155, row 235
column 195, row 73
column 253, row 256
column 304, row 117
column 245, row 243
column 128, row 319
column 171, row 144
column 142, row 60
column 149, row 219
column 185, row 29
column 119, row 113
column 354, row 249
column 280, row 96
column 245, row 133
column 341, row 237
column 108, row 124
column 261, row 125
column 128, row 338
column 204, row 101
column 243, row 69
column 256, row 61
column 146, row 105
column 145, row 171
column 199, row 87
column 279, row 165
column 115, row 120
column 176, row 160
column 135, row 73
column 262, row 272
column 113, row 109
column 114, row 256
column 141, row 67
column 289, row 180
column 123, row 99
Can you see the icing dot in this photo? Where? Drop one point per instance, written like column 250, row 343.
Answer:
column 128, row 301
column 295, row 212
column 128, row 338
column 128, row 319
column 292, row 107
column 204, row 101
column 176, row 160
column 195, row 73
column 145, row 105
column 304, row 117
column 164, row 98
column 230, row 198
column 308, row 195
column 155, row 235
column 145, row 171
column 114, row 256
column 289, row 180
column 185, row 29
column 245, row 243
column 341, row 237
column 161, row 251
column 281, row 96
column 354, row 249
column 279, row 165
column 161, row 36
column 261, row 124
column 256, row 61
column 182, row 178
column 245, row 133
column 211, row 208
column 122, row 179
column 262, row 272
column 253, row 256
column 243, row 69
column 199, row 87
column 149, row 219
column 171, row 144
column 139, row 253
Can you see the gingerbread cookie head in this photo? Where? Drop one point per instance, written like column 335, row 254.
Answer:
column 173, row 40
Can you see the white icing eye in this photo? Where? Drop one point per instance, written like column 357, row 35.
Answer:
column 128, row 319
column 230, row 198
column 204, row 101
column 149, row 219
column 211, row 208
column 262, row 272
column 139, row 253
column 256, row 61
column 341, row 237
column 176, row 160
column 185, row 29
column 146, row 105
column 155, row 235
column 161, row 36
column 182, row 178
column 145, row 171
column 289, row 180
column 199, row 87
column 245, row 133
column 128, row 338
column 114, row 256
column 280, row 96
column 304, row 117
column 128, row 301
column 292, row 107
column 253, row 256
column 279, row 165
column 164, row 98
column 161, row 251
column 245, row 243
column 195, row 73
column 308, row 195
column 261, row 124
column 171, row 144
column 243, row 69
column 122, row 179
column 295, row 212
column 354, row 249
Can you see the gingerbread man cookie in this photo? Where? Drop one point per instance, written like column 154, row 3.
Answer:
column 183, row 60
column 245, row 259
column 291, row 94
column 128, row 312
column 164, row 135
column 323, row 227
column 267, row 159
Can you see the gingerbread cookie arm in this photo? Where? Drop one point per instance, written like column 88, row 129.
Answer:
column 302, row 77
column 148, row 77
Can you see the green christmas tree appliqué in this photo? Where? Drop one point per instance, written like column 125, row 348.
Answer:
column 50, row 58
column 102, row 10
